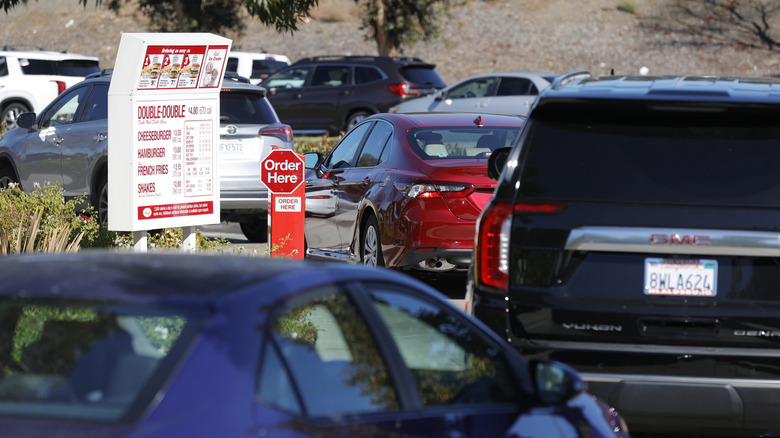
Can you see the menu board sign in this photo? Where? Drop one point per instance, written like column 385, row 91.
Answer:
column 182, row 67
column 164, row 130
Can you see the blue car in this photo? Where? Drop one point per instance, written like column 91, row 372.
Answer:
column 99, row 344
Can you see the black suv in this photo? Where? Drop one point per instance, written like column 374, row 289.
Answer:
column 334, row 93
column 635, row 234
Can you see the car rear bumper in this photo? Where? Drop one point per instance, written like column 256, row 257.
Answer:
column 690, row 405
column 666, row 391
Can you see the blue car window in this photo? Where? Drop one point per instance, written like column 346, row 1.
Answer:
column 451, row 362
column 332, row 358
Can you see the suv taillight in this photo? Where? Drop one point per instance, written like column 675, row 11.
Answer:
column 492, row 245
column 282, row 132
column 61, row 86
column 403, row 89
column 493, row 238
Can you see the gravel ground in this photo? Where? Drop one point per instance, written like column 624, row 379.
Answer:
column 478, row 37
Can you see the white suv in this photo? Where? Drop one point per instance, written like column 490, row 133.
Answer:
column 256, row 66
column 29, row 80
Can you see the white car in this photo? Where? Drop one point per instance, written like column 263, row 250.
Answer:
column 255, row 66
column 30, row 79
column 510, row 93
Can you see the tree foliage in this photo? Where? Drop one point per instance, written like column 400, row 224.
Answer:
column 749, row 23
column 391, row 23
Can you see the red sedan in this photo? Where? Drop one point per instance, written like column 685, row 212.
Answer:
column 404, row 190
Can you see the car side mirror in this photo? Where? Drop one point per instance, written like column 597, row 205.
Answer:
column 440, row 95
column 497, row 161
column 313, row 161
column 26, row 120
column 555, row 382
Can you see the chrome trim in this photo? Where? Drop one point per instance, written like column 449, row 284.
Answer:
column 637, row 239
column 738, row 383
column 688, row 350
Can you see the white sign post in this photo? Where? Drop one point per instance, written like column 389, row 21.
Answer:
column 163, row 120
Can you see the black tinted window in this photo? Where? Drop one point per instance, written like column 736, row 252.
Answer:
column 366, row 74
column 77, row 68
column 684, row 158
column 422, row 76
column 344, row 152
column 516, row 87
column 245, row 108
column 375, row 144
column 3, row 67
column 263, row 67
column 96, row 107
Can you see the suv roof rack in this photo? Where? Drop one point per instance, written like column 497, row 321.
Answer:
column 565, row 78
column 359, row 58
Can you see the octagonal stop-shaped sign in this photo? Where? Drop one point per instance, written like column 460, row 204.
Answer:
column 282, row 171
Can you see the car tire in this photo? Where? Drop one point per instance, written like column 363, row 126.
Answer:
column 7, row 176
column 100, row 200
column 256, row 231
column 370, row 244
column 11, row 113
column 355, row 118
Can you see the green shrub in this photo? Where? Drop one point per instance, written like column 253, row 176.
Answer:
column 322, row 144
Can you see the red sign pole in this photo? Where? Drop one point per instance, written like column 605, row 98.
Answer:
column 283, row 173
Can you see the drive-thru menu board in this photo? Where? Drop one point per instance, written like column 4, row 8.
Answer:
column 163, row 131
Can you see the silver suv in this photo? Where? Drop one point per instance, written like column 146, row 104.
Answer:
column 67, row 144
column 29, row 80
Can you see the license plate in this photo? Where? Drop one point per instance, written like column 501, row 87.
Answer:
column 677, row 277
column 231, row 147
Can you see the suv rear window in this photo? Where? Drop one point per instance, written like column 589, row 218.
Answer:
column 69, row 67
column 654, row 157
column 245, row 108
column 423, row 75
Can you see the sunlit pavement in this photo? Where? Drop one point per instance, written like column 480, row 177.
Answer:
column 451, row 284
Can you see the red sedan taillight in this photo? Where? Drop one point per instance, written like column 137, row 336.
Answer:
column 282, row 132
column 423, row 190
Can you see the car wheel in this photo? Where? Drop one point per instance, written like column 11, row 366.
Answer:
column 355, row 118
column 7, row 176
column 370, row 244
column 100, row 201
column 11, row 113
column 256, row 231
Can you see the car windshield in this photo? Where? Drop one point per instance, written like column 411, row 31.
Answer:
column 86, row 360
column 706, row 159
column 432, row 143
column 239, row 107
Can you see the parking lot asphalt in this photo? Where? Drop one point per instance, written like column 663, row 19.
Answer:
column 451, row 284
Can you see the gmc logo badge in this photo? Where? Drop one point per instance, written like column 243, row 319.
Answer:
column 676, row 239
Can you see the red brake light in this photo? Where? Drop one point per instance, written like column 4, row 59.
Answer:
column 427, row 190
column 403, row 89
column 538, row 208
column 283, row 132
column 61, row 86
column 492, row 245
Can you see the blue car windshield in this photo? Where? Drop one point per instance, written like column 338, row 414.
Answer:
column 86, row 360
